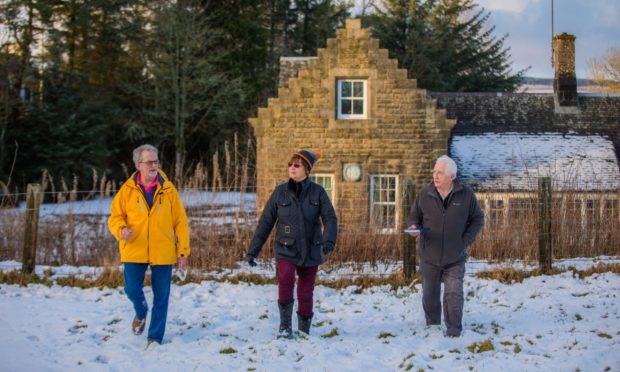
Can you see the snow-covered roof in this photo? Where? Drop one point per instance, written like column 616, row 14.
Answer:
column 514, row 161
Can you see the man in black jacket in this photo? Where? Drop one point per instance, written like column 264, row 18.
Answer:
column 306, row 231
column 452, row 213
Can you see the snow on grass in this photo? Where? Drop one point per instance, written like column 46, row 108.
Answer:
column 192, row 198
column 546, row 323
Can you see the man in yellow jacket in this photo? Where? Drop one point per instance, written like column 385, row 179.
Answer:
column 149, row 221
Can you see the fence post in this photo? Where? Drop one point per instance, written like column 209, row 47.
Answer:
column 545, row 249
column 409, row 242
column 33, row 201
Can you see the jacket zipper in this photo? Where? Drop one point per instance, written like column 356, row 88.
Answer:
column 443, row 229
column 148, row 225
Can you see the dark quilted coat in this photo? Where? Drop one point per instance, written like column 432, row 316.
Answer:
column 305, row 223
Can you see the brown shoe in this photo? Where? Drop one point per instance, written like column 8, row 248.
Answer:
column 137, row 326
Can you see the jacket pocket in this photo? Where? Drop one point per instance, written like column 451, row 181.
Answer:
column 313, row 209
column 284, row 208
column 286, row 246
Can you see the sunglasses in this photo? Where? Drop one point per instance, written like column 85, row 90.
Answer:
column 294, row 165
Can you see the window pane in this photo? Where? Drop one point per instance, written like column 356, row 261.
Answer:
column 358, row 107
column 497, row 212
column 345, row 89
column 384, row 202
column 391, row 216
column 346, row 107
column 358, row 89
column 610, row 212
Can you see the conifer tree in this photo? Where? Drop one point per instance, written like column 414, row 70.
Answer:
column 445, row 44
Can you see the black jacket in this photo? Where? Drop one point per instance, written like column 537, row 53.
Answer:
column 300, row 236
column 452, row 229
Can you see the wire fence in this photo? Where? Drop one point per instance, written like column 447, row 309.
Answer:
column 74, row 231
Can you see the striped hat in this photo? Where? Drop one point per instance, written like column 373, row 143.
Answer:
column 310, row 156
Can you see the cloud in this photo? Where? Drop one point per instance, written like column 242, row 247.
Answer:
column 509, row 6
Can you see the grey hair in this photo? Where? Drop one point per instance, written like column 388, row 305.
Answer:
column 451, row 168
column 137, row 153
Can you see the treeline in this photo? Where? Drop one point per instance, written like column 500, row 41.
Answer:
column 82, row 82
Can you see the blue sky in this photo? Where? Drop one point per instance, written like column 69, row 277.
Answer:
column 595, row 23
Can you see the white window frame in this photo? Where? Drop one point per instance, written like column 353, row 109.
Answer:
column 396, row 203
column 331, row 193
column 364, row 98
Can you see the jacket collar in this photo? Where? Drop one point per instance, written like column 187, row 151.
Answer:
column 456, row 187
column 162, row 179
column 292, row 186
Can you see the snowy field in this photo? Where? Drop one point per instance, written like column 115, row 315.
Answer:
column 546, row 323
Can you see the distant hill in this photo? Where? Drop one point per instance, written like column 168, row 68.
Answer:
column 549, row 81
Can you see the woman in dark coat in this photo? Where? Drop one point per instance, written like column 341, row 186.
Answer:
column 306, row 230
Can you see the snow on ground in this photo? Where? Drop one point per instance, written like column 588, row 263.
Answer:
column 546, row 323
column 190, row 197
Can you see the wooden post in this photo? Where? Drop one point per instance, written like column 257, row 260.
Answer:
column 409, row 242
column 545, row 249
column 33, row 201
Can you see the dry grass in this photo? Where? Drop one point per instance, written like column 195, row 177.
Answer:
column 113, row 278
column 17, row 277
column 582, row 226
column 510, row 275
column 221, row 232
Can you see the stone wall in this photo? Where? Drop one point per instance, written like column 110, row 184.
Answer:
column 403, row 134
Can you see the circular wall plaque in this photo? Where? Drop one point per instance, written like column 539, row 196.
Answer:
column 352, row 172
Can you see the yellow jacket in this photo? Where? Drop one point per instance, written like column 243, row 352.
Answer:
column 160, row 234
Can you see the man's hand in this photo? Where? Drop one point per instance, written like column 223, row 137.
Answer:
column 413, row 233
column 251, row 261
column 181, row 263
column 328, row 247
column 126, row 233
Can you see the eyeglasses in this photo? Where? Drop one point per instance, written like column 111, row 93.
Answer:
column 150, row 163
column 294, row 165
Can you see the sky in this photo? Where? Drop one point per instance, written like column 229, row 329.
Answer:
column 595, row 23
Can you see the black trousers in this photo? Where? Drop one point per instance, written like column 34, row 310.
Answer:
column 452, row 276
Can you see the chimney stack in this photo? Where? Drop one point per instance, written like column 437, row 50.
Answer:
column 565, row 80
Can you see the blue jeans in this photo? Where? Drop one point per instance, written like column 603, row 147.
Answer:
column 161, row 275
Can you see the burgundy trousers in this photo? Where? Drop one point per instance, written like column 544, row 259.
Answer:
column 305, row 285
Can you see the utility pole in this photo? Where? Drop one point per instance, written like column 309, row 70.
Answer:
column 552, row 50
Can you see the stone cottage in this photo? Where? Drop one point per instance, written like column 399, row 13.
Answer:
column 375, row 129
column 379, row 132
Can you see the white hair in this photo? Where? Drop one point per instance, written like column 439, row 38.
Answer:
column 451, row 168
column 137, row 153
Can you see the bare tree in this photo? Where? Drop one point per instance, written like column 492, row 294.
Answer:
column 605, row 70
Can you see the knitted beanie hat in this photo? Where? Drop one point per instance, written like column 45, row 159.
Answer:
column 310, row 156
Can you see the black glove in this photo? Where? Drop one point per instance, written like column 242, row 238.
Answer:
column 251, row 261
column 328, row 247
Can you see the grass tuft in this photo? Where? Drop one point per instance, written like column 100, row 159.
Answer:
column 481, row 347
column 228, row 350
column 332, row 333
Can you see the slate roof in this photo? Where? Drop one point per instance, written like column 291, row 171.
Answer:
column 504, row 142
column 514, row 161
